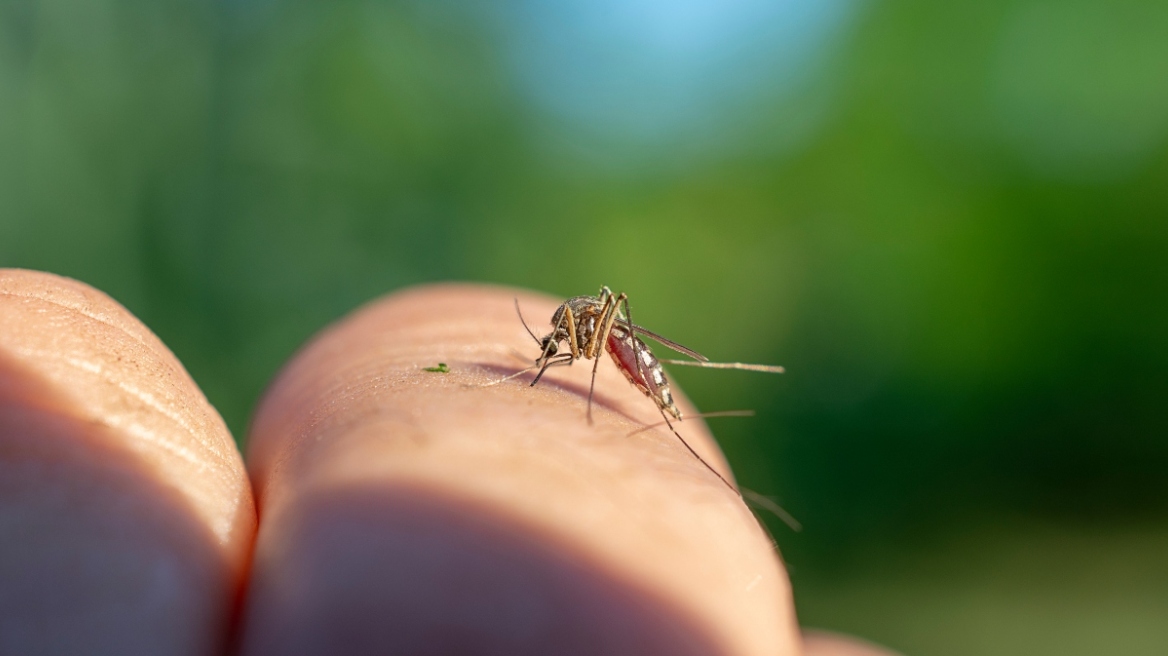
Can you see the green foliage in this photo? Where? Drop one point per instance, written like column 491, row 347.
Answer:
column 953, row 234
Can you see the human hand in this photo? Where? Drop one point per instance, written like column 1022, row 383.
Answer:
column 402, row 511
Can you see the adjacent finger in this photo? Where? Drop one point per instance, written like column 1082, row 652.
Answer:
column 408, row 511
column 126, row 518
column 824, row 643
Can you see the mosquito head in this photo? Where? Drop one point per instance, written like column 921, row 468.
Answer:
column 548, row 346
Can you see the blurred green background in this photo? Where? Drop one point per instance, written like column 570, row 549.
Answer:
column 948, row 220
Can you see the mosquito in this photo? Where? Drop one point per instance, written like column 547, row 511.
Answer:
column 589, row 324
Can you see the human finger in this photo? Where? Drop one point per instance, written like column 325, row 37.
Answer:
column 825, row 643
column 126, row 517
column 413, row 511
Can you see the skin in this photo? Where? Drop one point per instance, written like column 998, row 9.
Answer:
column 403, row 511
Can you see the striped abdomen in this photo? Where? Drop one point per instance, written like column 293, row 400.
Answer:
column 649, row 377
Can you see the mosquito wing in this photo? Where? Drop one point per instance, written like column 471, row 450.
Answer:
column 671, row 344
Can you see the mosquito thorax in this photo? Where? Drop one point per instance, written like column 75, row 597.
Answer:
column 558, row 315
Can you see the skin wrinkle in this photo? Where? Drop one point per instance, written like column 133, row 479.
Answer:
column 109, row 558
column 148, row 435
column 146, row 398
column 114, row 371
column 100, row 318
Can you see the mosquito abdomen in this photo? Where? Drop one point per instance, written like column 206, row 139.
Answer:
column 647, row 375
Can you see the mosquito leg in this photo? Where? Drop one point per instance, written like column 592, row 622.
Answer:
column 592, row 386
column 595, row 343
column 606, row 295
column 600, row 338
column 703, row 415
column 773, row 508
column 637, row 350
column 571, row 321
column 765, row 368
column 629, row 327
column 608, row 320
column 553, row 361
column 695, row 454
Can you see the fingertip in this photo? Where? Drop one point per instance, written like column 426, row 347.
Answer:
column 104, row 365
column 127, row 517
column 357, row 410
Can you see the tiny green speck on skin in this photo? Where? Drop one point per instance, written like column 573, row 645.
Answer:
column 440, row 369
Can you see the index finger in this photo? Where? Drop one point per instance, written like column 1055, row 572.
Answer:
column 412, row 510
column 126, row 518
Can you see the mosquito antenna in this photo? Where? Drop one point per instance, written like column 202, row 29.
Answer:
column 765, row 368
column 703, row 415
column 520, row 313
